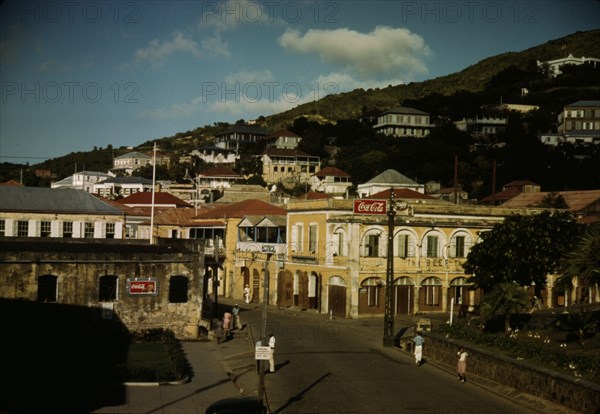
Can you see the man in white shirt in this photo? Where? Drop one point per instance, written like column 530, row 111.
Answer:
column 272, row 353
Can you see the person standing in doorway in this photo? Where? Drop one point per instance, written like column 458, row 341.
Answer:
column 419, row 341
column 237, row 324
column 271, row 353
column 247, row 293
column 461, row 365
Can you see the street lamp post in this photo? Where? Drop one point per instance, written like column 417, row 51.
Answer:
column 388, row 322
column 268, row 250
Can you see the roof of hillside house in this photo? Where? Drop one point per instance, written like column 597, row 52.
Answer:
column 509, row 191
column 38, row 199
column 241, row 192
column 332, row 172
column 133, row 154
column 404, row 110
column 127, row 180
column 241, row 209
column 160, row 199
column 244, row 129
column 585, row 103
column 314, row 195
column 176, row 216
column 391, row 177
column 402, row 193
column 220, row 171
column 576, row 200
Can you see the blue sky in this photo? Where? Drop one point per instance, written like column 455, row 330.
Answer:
column 82, row 74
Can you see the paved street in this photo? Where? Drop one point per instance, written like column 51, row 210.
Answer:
column 340, row 366
column 323, row 366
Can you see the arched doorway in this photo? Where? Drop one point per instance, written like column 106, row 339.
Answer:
column 336, row 293
column 404, row 291
column 430, row 295
column 371, row 297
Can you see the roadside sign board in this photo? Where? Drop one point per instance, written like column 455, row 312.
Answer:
column 262, row 352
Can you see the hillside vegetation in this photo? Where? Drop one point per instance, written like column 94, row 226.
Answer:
column 363, row 154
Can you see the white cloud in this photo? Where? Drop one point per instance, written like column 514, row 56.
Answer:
column 385, row 51
column 157, row 52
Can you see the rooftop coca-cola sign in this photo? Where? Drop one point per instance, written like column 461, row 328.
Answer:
column 370, row 206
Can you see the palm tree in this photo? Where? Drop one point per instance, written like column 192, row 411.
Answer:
column 583, row 262
column 578, row 323
column 505, row 300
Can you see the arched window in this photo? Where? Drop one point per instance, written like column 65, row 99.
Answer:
column 405, row 244
column 47, row 288
column 371, row 244
column 178, row 289
column 459, row 245
column 107, row 291
column 432, row 244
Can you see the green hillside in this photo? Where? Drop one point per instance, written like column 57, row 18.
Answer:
column 473, row 79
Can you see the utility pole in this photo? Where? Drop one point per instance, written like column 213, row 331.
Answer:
column 388, row 334
column 268, row 250
column 216, row 278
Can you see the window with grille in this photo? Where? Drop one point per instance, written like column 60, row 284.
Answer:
column 110, row 230
column 22, row 228
column 45, row 229
column 88, row 231
column 67, row 229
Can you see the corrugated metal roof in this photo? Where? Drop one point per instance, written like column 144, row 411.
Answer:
column 52, row 200
column 391, row 177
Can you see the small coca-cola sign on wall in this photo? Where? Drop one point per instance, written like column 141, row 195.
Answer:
column 370, row 206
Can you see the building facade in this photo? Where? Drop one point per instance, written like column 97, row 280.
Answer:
column 404, row 122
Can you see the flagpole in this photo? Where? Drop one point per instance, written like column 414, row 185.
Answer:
column 153, row 189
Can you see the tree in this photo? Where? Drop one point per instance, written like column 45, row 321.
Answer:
column 504, row 300
column 583, row 262
column 523, row 249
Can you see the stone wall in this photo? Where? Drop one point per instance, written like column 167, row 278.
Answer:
column 549, row 385
column 78, row 266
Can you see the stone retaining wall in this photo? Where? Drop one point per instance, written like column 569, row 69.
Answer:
column 552, row 386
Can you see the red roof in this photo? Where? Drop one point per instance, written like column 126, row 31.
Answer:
column 283, row 133
column 243, row 208
column 160, row 198
column 332, row 172
column 402, row 193
column 219, row 171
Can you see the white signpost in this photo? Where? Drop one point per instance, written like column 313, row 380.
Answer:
column 262, row 352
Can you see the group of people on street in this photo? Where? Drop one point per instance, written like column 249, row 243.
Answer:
column 461, row 365
column 231, row 320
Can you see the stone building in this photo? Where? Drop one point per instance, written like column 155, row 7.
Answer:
column 145, row 286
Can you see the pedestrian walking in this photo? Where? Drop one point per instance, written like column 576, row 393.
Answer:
column 247, row 293
column 272, row 352
column 219, row 332
column 419, row 341
column 226, row 324
column 461, row 365
column 237, row 323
